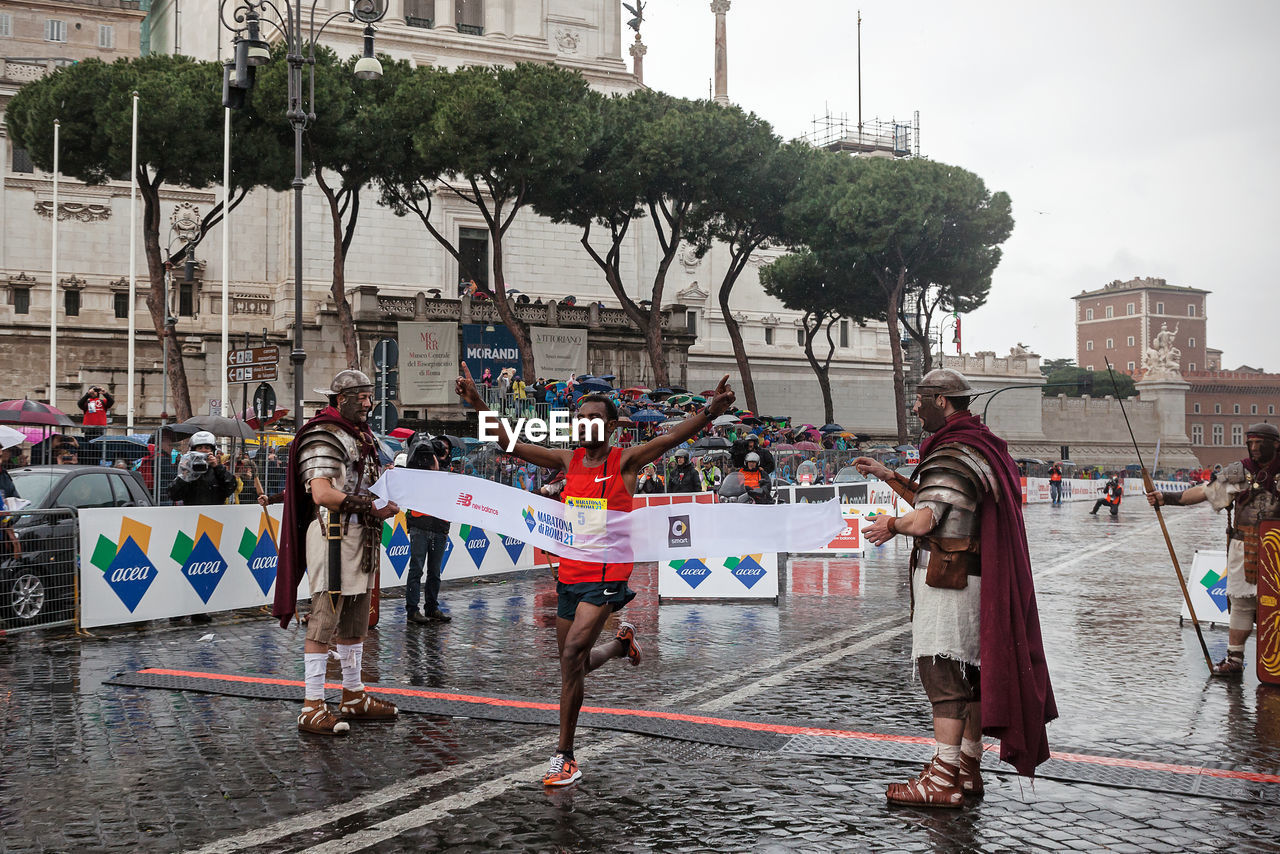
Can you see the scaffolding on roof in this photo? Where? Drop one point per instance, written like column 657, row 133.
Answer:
column 892, row 137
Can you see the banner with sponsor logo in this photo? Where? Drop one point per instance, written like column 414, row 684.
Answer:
column 149, row 563
column 753, row 576
column 583, row 529
column 1037, row 490
column 489, row 347
column 558, row 352
column 1207, row 586
column 860, row 504
column 428, row 362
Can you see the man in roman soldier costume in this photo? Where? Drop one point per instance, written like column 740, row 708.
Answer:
column 332, row 531
column 975, row 628
column 1248, row 491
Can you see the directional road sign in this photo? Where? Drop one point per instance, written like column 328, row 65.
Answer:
column 252, row 374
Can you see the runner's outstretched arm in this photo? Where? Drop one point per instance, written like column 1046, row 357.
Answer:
column 634, row 459
column 465, row 387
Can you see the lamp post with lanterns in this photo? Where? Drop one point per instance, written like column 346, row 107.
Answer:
column 250, row 50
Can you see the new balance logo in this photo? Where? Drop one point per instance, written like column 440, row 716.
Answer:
column 464, row 499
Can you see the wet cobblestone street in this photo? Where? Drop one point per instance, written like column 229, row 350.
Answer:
column 94, row 767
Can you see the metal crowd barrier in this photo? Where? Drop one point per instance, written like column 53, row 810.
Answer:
column 38, row 562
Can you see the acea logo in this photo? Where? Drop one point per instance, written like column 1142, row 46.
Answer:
column 530, row 520
column 1216, row 586
column 202, row 564
column 395, row 539
column 259, row 552
column 692, row 572
column 476, row 541
column 514, row 548
column 124, row 564
column 746, row 569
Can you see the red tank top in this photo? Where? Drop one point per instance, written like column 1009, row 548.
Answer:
column 596, row 482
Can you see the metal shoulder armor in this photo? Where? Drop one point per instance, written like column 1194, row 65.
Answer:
column 953, row 480
column 321, row 453
column 1233, row 473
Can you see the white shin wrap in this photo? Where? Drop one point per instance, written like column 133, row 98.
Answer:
column 352, row 657
column 314, row 667
column 1243, row 611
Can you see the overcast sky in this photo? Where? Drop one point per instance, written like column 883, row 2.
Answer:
column 1135, row 138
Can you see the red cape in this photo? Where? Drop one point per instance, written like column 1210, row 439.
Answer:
column 299, row 510
column 1017, row 699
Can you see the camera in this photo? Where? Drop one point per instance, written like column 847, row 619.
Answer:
column 428, row 452
column 197, row 461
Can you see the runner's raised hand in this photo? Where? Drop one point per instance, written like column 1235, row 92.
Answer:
column 722, row 399
column 465, row 387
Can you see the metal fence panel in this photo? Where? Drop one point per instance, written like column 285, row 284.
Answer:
column 38, row 563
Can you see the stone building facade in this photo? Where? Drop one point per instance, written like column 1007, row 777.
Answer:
column 1220, row 407
column 395, row 256
column 1119, row 321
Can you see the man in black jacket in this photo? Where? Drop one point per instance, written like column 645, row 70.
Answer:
column 427, row 538
column 202, row 478
column 683, row 477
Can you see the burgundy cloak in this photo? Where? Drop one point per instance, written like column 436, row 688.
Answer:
column 299, row 510
column 1017, row 699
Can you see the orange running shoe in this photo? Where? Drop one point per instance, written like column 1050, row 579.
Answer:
column 562, row 771
column 627, row 635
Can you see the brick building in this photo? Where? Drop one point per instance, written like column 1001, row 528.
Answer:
column 1222, row 404
column 1118, row 321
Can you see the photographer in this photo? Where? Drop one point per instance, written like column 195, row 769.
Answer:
column 202, row 478
column 94, row 403
column 427, row 536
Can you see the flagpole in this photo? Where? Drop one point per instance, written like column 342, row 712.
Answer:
column 133, row 261
column 53, row 280
column 226, row 255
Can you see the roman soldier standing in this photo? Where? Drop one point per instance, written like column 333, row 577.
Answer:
column 1248, row 491
column 332, row 529
column 975, row 628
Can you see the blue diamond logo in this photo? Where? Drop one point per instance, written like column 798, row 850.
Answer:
column 1218, row 593
column 398, row 551
column 262, row 563
column 693, row 571
column 514, row 547
column 748, row 572
column 130, row 574
column 477, row 545
column 204, row 568
column 448, row 550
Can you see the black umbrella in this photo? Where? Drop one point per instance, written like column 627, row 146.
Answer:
column 830, row 428
column 709, row 442
column 220, row 426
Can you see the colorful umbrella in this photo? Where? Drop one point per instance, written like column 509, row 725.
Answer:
column 806, row 446
column 33, row 412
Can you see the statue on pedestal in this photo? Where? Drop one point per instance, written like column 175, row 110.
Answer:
column 1162, row 360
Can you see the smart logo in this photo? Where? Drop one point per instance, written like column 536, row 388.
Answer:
column 692, row 572
column 395, row 539
column 477, row 542
column 678, row 536
column 746, row 569
column 530, row 520
column 125, row 568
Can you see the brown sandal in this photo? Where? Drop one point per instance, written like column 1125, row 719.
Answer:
column 971, row 775
column 321, row 720
column 1229, row 666
column 937, row 786
column 361, row 706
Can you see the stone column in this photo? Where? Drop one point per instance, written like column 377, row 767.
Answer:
column 1169, row 394
column 445, row 19
column 720, row 8
column 638, row 50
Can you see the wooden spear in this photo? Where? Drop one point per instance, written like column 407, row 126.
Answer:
column 1149, row 486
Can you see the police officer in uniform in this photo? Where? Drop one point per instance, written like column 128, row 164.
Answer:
column 1248, row 491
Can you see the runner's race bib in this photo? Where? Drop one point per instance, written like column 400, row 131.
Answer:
column 589, row 518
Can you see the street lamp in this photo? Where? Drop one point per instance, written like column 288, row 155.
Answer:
column 954, row 319
column 250, row 51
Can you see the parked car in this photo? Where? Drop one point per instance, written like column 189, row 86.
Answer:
column 37, row 565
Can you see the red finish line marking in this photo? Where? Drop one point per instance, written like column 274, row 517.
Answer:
column 728, row 723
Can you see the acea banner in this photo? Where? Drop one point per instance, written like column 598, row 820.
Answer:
column 428, row 362
column 149, row 563
column 1207, row 586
